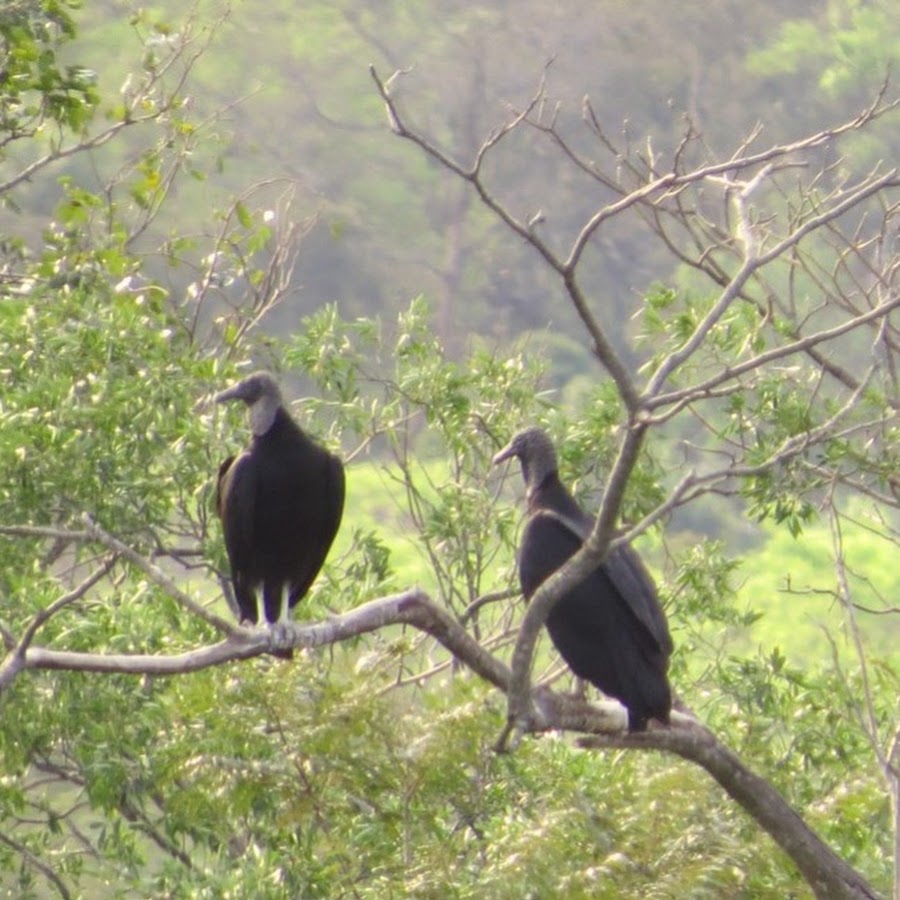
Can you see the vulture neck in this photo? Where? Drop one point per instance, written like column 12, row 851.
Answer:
column 262, row 414
column 550, row 493
column 542, row 490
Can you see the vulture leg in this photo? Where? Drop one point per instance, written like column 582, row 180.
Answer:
column 275, row 600
column 248, row 602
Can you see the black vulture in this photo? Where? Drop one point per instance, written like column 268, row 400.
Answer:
column 280, row 502
column 610, row 629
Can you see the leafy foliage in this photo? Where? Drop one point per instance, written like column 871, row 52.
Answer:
column 322, row 779
column 39, row 89
column 367, row 770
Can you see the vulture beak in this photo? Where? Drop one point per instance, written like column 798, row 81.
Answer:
column 232, row 393
column 508, row 452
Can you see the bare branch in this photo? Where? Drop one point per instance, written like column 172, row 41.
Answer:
column 603, row 348
column 699, row 390
column 485, row 600
column 411, row 607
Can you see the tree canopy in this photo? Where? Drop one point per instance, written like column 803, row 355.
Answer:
column 720, row 379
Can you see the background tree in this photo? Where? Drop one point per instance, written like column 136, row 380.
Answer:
column 764, row 379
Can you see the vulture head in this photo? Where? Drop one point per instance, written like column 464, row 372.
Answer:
column 536, row 456
column 262, row 395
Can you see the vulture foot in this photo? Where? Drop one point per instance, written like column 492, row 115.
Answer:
column 281, row 639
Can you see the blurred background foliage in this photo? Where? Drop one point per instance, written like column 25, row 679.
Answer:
column 250, row 207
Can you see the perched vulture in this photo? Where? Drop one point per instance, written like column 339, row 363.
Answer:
column 280, row 502
column 610, row 629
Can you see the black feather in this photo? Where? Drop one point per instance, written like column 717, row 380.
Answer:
column 281, row 503
column 610, row 629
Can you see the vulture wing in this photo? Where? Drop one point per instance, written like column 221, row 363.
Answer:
column 330, row 503
column 236, row 502
column 623, row 568
column 630, row 577
column 547, row 542
column 220, row 487
column 599, row 628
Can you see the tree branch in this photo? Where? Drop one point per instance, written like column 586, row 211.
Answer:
column 412, row 607
column 67, row 599
column 40, row 865
column 831, row 878
column 702, row 389
column 98, row 534
column 827, row 874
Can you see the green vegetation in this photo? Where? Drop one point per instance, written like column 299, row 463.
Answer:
column 797, row 575
column 140, row 271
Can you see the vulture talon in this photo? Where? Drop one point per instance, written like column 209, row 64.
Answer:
column 280, row 636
